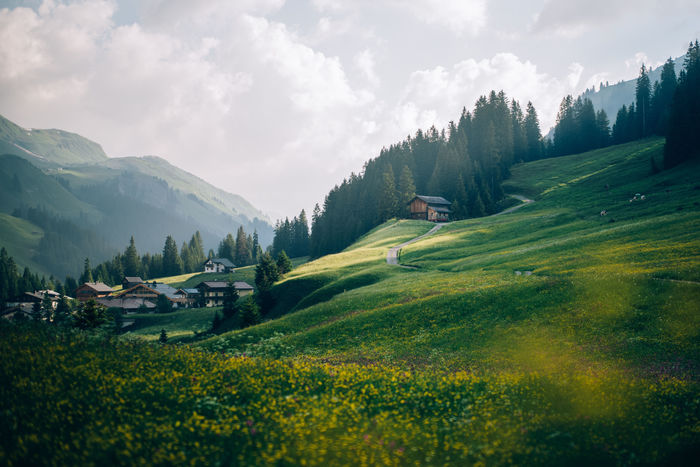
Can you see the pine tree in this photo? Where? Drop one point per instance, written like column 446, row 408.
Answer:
column 227, row 248
column 266, row 273
column 163, row 305
column 388, row 201
column 603, row 129
column 172, row 263
column 407, row 190
column 243, row 253
column 663, row 97
column 230, row 299
column 87, row 272
column 47, row 307
column 533, row 135
column 89, row 315
column 257, row 250
column 250, row 313
column 683, row 137
column 163, row 338
column 643, row 100
column 284, row 265
column 131, row 262
column 63, row 311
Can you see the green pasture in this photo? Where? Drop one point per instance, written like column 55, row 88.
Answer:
column 552, row 287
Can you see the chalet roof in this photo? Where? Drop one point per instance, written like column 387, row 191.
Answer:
column 238, row 285
column 133, row 279
column 40, row 294
column 438, row 200
column 188, row 291
column 157, row 287
column 98, row 286
column 223, row 261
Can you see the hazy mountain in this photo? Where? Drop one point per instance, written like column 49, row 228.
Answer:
column 71, row 180
column 611, row 97
column 46, row 148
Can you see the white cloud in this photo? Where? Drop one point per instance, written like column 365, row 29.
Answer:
column 459, row 16
column 440, row 93
column 318, row 82
column 365, row 63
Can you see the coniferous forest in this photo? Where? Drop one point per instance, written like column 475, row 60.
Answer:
column 467, row 162
column 464, row 163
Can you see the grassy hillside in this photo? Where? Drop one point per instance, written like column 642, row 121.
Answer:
column 21, row 239
column 24, row 185
column 178, row 324
column 604, row 291
column 48, row 148
column 588, row 356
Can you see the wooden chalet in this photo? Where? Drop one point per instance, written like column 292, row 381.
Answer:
column 430, row 208
column 131, row 281
column 189, row 296
column 151, row 290
column 92, row 290
column 219, row 265
column 214, row 291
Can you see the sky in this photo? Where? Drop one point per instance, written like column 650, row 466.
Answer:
column 280, row 100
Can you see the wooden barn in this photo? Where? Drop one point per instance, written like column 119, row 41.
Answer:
column 430, row 208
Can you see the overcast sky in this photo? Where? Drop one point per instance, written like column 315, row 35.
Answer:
column 280, row 100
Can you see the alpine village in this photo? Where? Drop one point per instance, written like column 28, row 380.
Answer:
column 491, row 292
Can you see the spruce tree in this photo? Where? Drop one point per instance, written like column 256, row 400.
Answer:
column 683, row 137
column 131, row 262
column 284, row 264
column 172, row 263
column 388, row 201
column 243, row 252
column 407, row 190
column 643, row 100
column 163, row 338
column 87, row 272
column 533, row 135
column 230, row 299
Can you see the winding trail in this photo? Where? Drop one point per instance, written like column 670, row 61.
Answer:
column 392, row 257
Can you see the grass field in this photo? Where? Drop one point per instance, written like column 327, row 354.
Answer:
column 551, row 335
column 21, row 239
column 599, row 295
column 178, row 324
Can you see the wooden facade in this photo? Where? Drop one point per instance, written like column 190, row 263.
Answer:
column 213, row 291
column 92, row 290
column 430, row 208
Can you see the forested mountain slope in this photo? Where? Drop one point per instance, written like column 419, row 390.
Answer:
column 59, row 178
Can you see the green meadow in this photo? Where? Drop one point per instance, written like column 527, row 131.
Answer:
column 551, row 287
column 551, row 335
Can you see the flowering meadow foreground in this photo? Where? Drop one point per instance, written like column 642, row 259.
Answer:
column 71, row 398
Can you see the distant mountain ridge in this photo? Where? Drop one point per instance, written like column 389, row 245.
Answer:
column 611, row 97
column 70, row 177
column 48, row 147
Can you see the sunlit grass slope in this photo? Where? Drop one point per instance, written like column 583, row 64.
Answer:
column 604, row 293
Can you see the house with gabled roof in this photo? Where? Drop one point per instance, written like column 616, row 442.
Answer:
column 131, row 281
column 219, row 265
column 151, row 291
column 430, row 208
column 213, row 291
column 189, row 296
column 92, row 290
